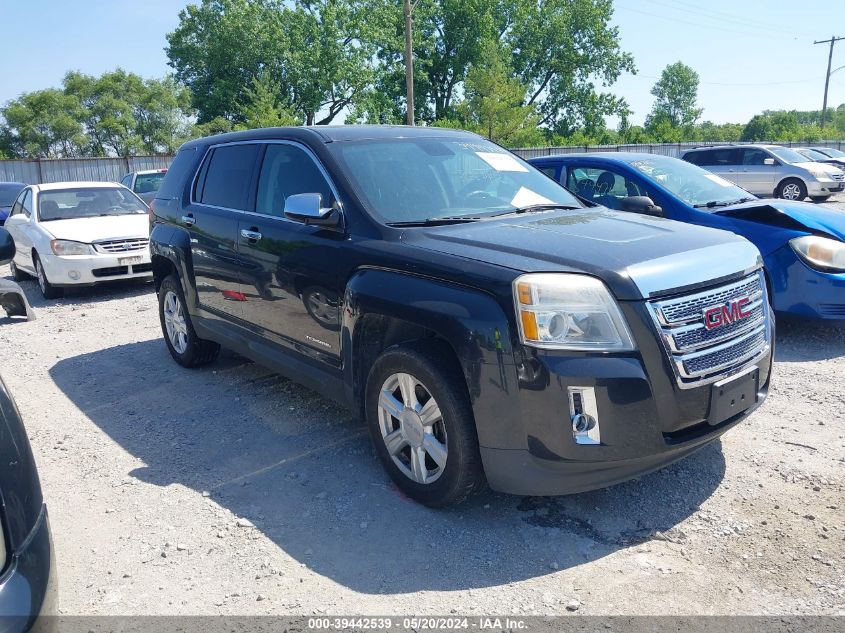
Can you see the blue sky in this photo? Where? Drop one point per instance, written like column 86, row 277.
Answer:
column 751, row 54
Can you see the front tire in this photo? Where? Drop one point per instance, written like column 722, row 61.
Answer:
column 792, row 189
column 184, row 345
column 48, row 290
column 422, row 426
column 819, row 198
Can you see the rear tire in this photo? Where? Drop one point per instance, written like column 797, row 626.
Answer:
column 17, row 273
column 48, row 290
column 791, row 189
column 820, row 198
column 416, row 402
column 182, row 341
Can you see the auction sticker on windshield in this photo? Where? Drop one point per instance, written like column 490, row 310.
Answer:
column 501, row 162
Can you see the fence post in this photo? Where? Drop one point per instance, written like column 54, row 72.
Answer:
column 40, row 171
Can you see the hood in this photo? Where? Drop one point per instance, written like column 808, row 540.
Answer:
column 812, row 166
column 785, row 214
column 4, row 212
column 101, row 228
column 637, row 256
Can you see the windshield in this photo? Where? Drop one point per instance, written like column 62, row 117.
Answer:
column 148, row 183
column 690, row 183
column 813, row 154
column 833, row 153
column 63, row 204
column 788, row 156
column 8, row 193
column 414, row 180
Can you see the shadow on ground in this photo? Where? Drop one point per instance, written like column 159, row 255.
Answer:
column 302, row 470
column 85, row 294
column 805, row 340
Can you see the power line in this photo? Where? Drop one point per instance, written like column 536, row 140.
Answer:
column 713, row 14
column 833, row 39
column 743, row 84
column 757, row 33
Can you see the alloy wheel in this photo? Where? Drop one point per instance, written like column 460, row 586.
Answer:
column 791, row 191
column 412, row 428
column 175, row 322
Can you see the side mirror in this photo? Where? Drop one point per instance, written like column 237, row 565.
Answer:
column 769, row 161
column 308, row 209
column 640, row 204
column 7, row 247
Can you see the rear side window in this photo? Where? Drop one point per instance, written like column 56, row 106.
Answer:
column 174, row 181
column 227, row 180
column 715, row 157
column 288, row 170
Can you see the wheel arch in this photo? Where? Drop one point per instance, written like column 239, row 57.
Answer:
column 783, row 180
column 383, row 308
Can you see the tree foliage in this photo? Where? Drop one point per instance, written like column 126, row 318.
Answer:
column 676, row 96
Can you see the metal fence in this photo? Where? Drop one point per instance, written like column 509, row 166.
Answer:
column 663, row 149
column 42, row 170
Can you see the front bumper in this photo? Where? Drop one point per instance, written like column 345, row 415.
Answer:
column 87, row 270
column 802, row 291
column 646, row 419
column 28, row 587
column 824, row 187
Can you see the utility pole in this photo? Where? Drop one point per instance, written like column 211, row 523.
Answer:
column 833, row 39
column 409, row 60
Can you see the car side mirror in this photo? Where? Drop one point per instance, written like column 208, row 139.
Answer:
column 7, row 247
column 769, row 161
column 308, row 209
column 640, row 204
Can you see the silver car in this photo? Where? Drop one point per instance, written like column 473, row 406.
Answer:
column 770, row 170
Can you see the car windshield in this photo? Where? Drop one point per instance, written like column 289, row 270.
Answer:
column 148, row 183
column 64, row 204
column 833, row 153
column 414, row 180
column 787, row 155
column 8, row 193
column 813, row 154
column 690, row 183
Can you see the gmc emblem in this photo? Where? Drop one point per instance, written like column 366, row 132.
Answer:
column 731, row 312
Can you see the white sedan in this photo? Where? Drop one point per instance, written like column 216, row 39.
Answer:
column 79, row 234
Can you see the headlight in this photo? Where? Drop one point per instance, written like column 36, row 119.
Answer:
column 820, row 252
column 569, row 311
column 818, row 172
column 66, row 247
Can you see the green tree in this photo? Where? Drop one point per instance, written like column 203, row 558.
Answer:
column 676, row 96
column 263, row 108
column 45, row 124
column 494, row 101
column 313, row 50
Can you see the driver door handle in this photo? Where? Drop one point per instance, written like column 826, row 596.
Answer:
column 253, row 236
column 188, row 220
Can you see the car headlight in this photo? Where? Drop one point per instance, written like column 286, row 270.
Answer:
column 66, row 247
column 820, row 252
column 818, row 172
column 569, row 312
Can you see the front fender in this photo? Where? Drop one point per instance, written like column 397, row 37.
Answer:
column 173, row 244
column 472, row 322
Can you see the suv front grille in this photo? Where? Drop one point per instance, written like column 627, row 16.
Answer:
column 122, row 246
column 839, row 177
column 700, row 355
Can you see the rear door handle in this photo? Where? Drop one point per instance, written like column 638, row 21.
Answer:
column 253, row 236
column 188, row 220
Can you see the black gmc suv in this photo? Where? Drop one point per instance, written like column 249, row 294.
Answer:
column 488, row 326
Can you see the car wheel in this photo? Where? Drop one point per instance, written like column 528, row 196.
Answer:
column 422, row 426
column 792, row 189
column 48, row 290
column 184, row 345
column 17, row 273
column 321, row 307
column 820, row 198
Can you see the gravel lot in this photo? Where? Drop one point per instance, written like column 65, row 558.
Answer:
column 230, row 490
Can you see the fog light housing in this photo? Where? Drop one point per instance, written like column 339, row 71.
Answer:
column 74, row 274
column 584, row 416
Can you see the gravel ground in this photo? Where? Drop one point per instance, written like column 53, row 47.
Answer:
column 230, row 490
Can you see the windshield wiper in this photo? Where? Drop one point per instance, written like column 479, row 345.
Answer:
column 713, row 203
column 457, row 219
column 544, row 207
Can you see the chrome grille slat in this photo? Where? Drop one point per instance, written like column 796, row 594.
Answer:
column 122, row 246
column 701, row 356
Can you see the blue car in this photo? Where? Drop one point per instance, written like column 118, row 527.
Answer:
column 803, row 244
column 8, row 192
